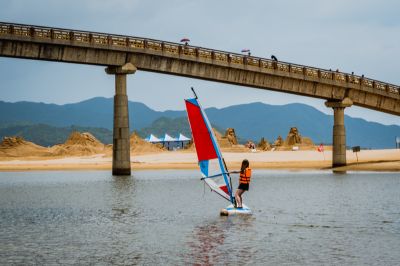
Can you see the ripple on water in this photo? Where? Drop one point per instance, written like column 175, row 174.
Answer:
column 167, row 217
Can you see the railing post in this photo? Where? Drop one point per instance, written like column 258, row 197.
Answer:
column 32, row 32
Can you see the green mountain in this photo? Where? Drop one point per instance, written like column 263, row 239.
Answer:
column 171, row 126
column 251, row 121
column 256, row 120
column 46, row 135
column 95, row 112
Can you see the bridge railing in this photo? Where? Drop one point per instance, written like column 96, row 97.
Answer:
column 186, row 51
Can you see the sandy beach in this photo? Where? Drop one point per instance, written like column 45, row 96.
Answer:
column 368, row 160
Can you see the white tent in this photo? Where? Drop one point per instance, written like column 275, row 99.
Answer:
column 168, row 138
column 183, row 138
column 153, row 139
column 167, row 141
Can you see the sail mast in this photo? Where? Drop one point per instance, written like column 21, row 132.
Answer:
column 203, row 148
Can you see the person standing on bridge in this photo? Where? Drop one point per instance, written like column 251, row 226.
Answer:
column 244, row 182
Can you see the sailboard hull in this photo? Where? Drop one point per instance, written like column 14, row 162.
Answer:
column 231, row 210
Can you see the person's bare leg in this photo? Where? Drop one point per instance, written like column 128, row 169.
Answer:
column 238, row 197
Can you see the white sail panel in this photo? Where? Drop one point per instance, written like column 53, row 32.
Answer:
column 214, row 177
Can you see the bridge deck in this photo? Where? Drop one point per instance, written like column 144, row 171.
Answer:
column 64, row 45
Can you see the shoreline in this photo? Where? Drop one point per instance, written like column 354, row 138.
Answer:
column 369, row 160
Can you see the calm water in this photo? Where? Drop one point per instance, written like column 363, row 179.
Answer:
column 154, row 217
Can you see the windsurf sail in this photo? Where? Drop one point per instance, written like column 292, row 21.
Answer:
column 212, row 165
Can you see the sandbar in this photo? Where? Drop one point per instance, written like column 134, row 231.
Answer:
column 368, row 160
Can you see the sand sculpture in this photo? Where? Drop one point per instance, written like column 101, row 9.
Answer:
column 84, row 144
column 139, row 145
column 231, row 136
column 77, row 144
column 19, row 147
column 278, row 142
column 293, row 139
column 222, row 140
column 263, row 145
column 80, row 144
column 228, row 140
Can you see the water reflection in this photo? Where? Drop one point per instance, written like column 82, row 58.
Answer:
column 124, row 214
column 339, row 172
column 205, row 243
column 123, row 196
column 123, row 184
column 244, row 234
column 214, row 242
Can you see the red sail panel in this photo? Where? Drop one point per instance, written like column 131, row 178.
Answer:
column 201, row 136
column 224, row 188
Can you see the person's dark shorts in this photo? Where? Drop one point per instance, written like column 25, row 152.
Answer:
column 244, row 186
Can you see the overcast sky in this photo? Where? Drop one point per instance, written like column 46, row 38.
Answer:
column 361, row 36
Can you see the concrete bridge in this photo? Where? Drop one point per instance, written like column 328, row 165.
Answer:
column 122, row 55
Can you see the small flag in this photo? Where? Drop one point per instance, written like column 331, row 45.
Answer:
column 320, row 148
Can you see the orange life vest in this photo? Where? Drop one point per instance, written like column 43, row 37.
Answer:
column 245, row 176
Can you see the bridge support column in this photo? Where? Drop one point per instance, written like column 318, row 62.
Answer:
column 339, row 131
column 121, row 164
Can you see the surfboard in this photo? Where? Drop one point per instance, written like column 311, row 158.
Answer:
column 211, row 162
column 231, row 210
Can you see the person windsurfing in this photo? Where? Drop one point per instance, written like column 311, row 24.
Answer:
column 211, row 162
column 244, row 182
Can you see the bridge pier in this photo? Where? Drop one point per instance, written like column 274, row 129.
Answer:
column 339, row 131
column 121, row 164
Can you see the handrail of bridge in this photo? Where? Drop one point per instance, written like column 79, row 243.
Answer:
column 130, row 42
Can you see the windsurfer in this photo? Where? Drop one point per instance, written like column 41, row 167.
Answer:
column 244, row 182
